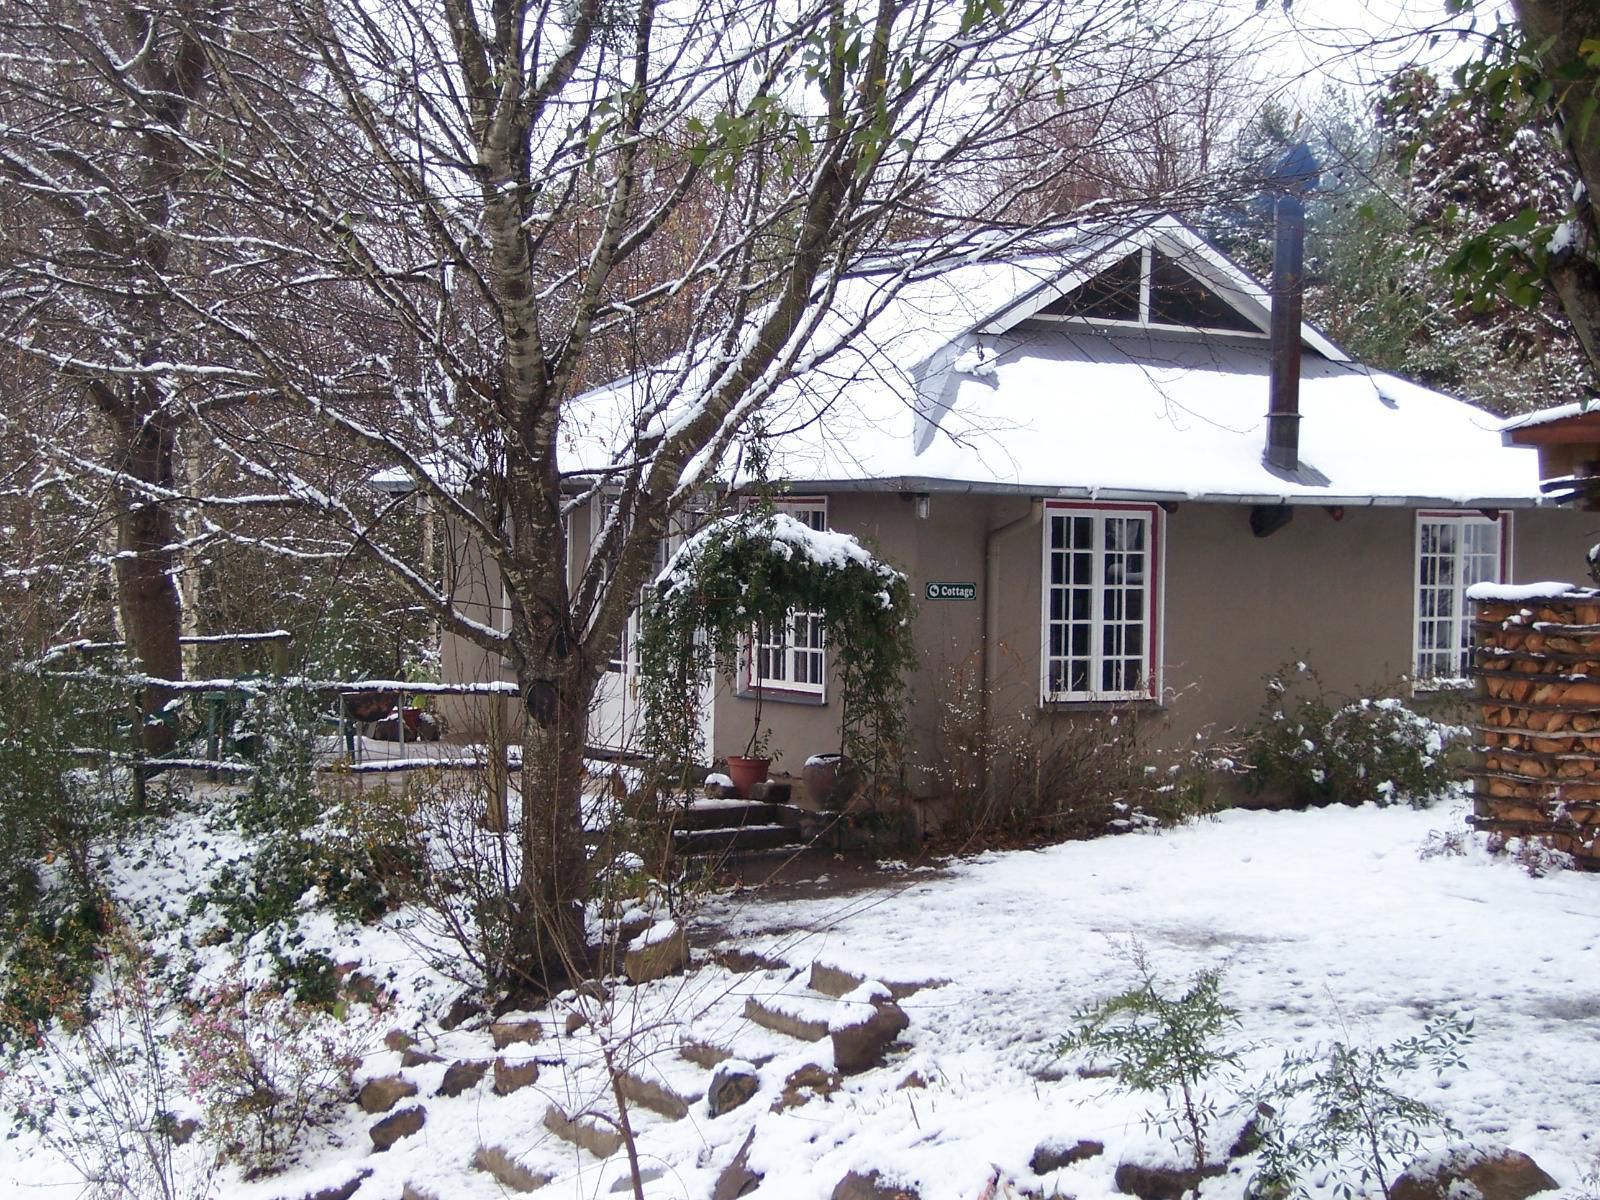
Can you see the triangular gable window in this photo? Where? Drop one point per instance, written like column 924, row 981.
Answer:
column 1112, row 295
column 1149, row 288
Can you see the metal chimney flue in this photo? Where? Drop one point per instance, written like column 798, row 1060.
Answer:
column 1288, row 281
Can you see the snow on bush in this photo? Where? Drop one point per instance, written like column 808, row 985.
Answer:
column 1317, row 749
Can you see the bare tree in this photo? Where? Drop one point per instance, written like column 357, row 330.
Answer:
column 432, row 227
column 98, row 104
column 1131, row 134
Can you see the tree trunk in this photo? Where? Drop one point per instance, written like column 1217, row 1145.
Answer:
column 147, row 592
column 548, row 943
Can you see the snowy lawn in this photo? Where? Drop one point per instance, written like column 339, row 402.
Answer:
column 1326, row 925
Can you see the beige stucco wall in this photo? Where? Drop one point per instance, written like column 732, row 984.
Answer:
column 947, row 545
column 1551, row 544
column 1336, row 593
column 476, row 583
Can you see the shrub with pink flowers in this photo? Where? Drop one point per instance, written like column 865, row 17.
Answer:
column 267, row 1070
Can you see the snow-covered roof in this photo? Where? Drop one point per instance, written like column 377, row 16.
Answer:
column 950, row 381
column 1548, row 416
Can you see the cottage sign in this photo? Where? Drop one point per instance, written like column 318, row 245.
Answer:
column 952, row 591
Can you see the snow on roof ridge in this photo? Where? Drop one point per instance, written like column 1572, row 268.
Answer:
column 979, row 245
column 1546, row 416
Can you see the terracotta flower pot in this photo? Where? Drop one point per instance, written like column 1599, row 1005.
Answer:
column 747, row 772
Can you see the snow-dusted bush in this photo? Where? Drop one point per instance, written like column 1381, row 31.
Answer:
column 1314, row 748
column 266, row 1070
column 51, row 806
column 47, row 804
column 1339, row 1113
column 309, row 849
column 99, row 1084
column 1044, row 776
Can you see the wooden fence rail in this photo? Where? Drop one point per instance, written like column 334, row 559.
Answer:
column 216, row 694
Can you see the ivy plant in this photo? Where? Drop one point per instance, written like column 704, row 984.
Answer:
column 754, row 568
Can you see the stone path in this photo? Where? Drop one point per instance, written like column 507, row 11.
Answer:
column 816, row 1023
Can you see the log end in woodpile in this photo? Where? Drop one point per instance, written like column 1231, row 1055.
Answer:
column 1537, row 772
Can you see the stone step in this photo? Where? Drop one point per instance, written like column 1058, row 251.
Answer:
column 586, row 1133
column 792, row 1014
column 734, row 814
column 757, row 867
column 736, row 839
column 833, row 980
column 703, row 1054
column 778, row 790
column 507, row 1170
column 645, row 1087
column 754, row 1043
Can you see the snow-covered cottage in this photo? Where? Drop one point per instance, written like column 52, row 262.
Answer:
column 1065, row 447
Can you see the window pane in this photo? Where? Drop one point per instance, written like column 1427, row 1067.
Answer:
column 1097, row 604
column 1454, row 553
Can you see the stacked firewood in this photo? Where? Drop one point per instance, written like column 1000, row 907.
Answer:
column 1538, row 753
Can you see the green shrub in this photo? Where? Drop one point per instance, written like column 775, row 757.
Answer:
column 51, row 804
column 1166, row 1044
column 52, row 952
column 310, row 850
column 1315, row 748
column 1346, row 1118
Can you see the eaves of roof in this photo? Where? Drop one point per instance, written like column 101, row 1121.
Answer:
column 913, row 484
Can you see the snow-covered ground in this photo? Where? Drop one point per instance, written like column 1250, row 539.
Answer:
column 1326, row 925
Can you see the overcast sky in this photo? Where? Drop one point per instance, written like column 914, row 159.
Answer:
column 1359, row 42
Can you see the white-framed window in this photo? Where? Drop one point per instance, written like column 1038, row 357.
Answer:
column 791, row 657
column 1454, row 551
column 624, row 658
column 1101, row 602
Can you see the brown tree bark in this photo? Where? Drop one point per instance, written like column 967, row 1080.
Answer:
column 147, row 537
column 548, row 945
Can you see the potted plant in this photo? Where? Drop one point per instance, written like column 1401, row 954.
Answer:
column 748, row 769
column 752, row 767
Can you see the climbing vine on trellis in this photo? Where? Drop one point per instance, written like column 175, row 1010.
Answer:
column 754, row 569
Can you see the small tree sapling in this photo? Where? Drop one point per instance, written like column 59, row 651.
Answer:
column 1166, row 1044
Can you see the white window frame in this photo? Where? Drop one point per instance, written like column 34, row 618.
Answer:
column 794, row 663
column 1154, row 520
column 1459, row 615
